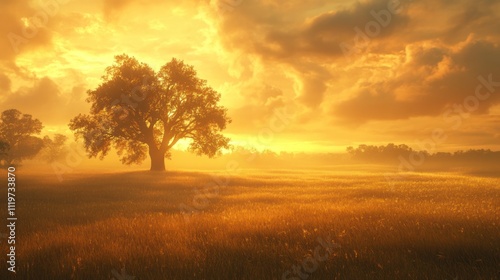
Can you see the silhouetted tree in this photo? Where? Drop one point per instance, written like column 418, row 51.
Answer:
column 17, row 130
column 393, row 153
column 4, row 148
column 138, row 111
column 54, row 149
column 382, row 154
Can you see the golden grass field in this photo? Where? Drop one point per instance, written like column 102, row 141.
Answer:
column 258, row 226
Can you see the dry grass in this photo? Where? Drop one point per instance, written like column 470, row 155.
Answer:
column 428, row 226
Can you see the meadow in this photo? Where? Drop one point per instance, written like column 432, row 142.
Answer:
column 258, row 225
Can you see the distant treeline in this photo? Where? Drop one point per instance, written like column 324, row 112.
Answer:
column 244, row 157
column 392, row 153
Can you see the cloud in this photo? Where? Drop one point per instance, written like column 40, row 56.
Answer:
column 46, row 101
column 431, row 79
column 112, row 7
column 303, row 35
column 24, row 27
column 261, row 103
column 478, row 17
column 322, row 36
column 5, row 83
column 314, row 83
column 312, row 38
column 263, row 55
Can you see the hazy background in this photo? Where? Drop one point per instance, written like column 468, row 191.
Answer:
column 264, row 56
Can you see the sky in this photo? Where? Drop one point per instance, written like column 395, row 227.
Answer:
column 313, row 76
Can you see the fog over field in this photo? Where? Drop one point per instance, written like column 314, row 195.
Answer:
column 259, row 224
column 238, row 139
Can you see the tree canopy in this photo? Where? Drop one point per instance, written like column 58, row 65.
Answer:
column 4, row 148
column 54, row 148
column 139, row 111
column 17, row 132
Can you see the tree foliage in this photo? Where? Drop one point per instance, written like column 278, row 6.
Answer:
column 387, row 153
column 17, row 132
column 393, row 154
column 4, row 148
column 137, row 110
column 54, row 149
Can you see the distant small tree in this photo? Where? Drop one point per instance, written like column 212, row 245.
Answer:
column 139, row 111
column 17, row 130
column 4, row 148
column 382, row 154
column 54, row 149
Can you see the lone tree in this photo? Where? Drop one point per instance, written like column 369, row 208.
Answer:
column 17, row 142
column 138, row 111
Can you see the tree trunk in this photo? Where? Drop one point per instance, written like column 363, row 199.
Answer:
column 157, row 159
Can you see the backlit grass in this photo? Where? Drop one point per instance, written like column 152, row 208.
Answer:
column 427, row 226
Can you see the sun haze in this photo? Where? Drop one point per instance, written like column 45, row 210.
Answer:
column 249, row 139
column 346, row 72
